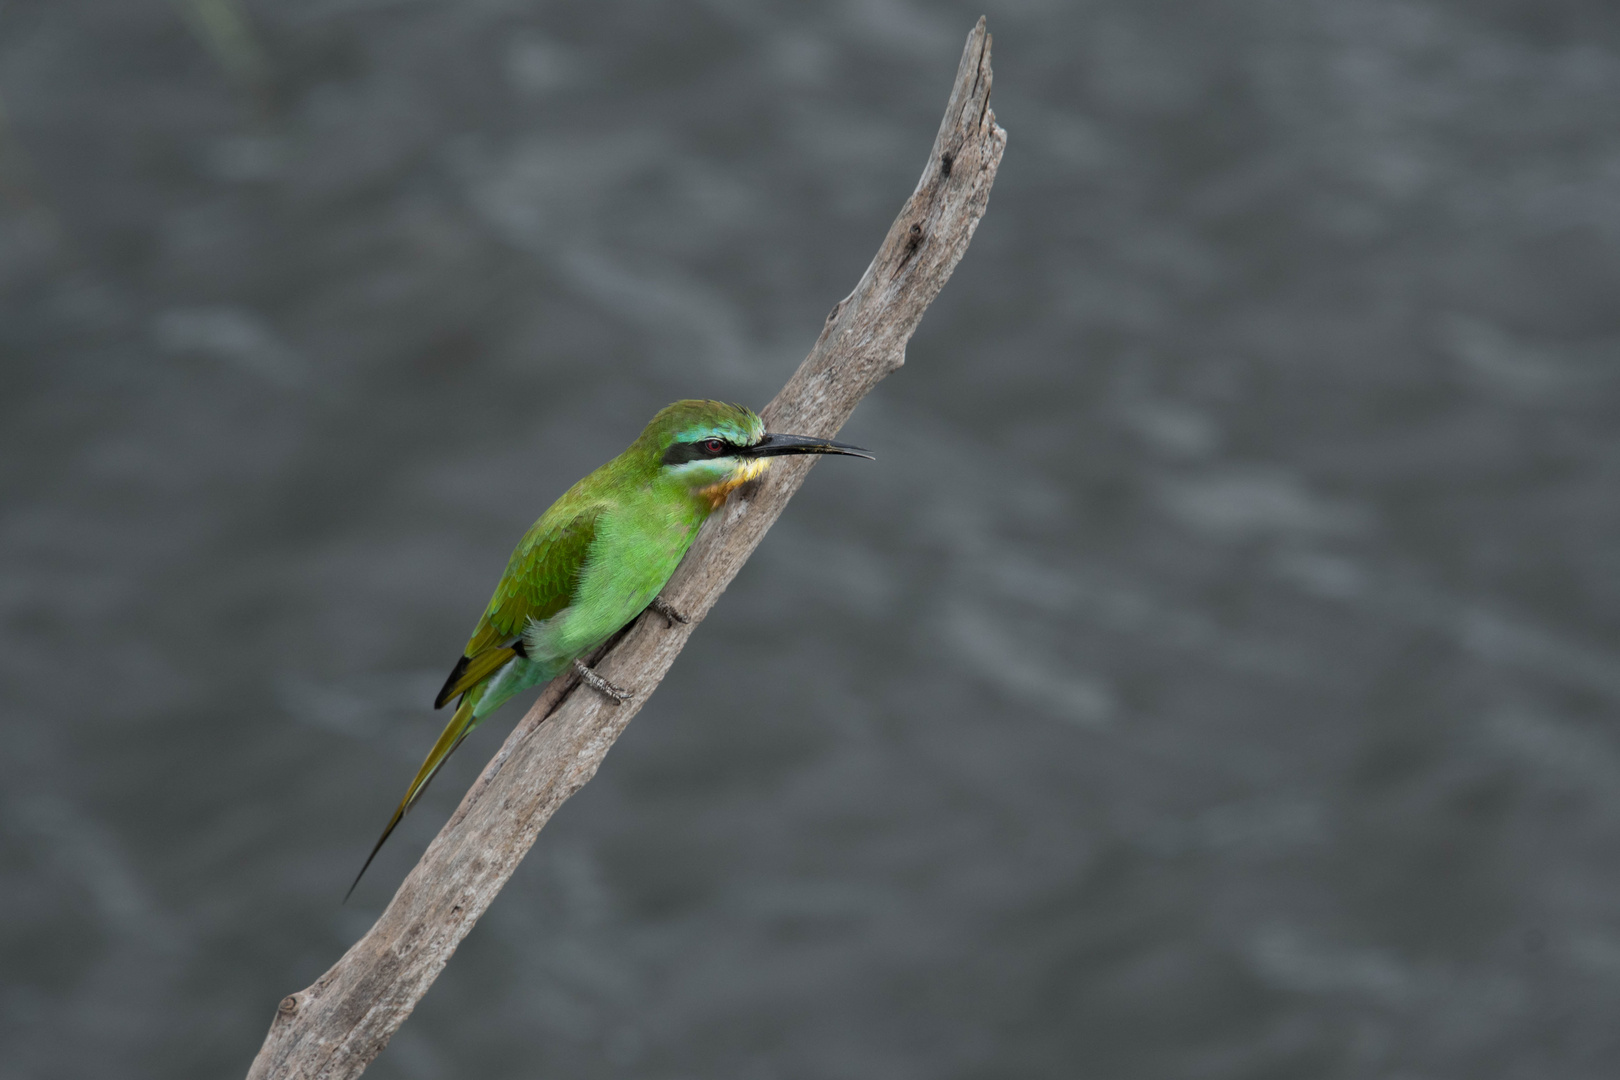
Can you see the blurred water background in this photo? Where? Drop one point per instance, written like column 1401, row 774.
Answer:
column 1215, row 676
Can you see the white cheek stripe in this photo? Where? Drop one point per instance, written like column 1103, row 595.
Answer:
column 712, row 468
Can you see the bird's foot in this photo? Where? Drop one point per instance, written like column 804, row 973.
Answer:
column 664, row 608
column 618, row 694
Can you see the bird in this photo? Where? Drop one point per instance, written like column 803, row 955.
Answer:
column 597, row 559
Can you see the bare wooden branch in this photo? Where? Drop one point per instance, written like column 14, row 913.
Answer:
column 338, row 1025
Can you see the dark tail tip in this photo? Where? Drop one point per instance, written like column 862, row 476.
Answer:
column 398, row 814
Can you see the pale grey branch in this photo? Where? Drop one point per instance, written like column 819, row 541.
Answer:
column 335, row 1027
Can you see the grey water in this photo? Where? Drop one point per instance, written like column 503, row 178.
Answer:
column 1216, row 675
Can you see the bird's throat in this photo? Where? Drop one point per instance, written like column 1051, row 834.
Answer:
column 749, row 470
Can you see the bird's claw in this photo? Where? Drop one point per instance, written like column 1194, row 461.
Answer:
column 617, row 694
column 671, row 616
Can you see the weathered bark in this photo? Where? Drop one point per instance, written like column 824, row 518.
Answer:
column 337, row 1026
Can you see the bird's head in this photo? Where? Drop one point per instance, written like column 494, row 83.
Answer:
column 711, row 448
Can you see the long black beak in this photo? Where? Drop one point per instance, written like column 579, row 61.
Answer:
column 777, row 445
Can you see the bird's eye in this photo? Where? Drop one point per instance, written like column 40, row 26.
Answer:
column 713, row 446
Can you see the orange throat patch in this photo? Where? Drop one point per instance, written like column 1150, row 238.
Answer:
column 752, row 470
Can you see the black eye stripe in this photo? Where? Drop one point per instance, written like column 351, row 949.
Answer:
column 679, row 453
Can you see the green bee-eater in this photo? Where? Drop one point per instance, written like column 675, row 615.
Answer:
column 598, row 558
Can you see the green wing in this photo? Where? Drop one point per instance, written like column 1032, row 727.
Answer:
column 540, row 577
column 540, row 580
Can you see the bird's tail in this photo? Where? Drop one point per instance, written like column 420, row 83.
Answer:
column 460, row 725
